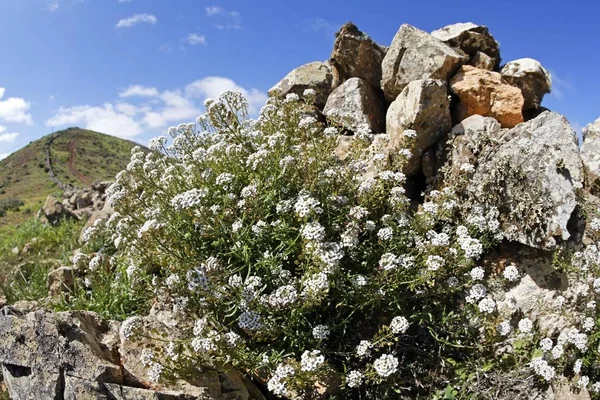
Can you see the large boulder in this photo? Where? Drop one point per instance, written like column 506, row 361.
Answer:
column 355, row 103
column 532, row 179
column 356, row 55
column 54, row 211
column 422, row 106
column 413, row 55
column 531, row 77
column 470, row 39
column 469, row 139
column 590, row 154
column 484, row 93
column 315, row 75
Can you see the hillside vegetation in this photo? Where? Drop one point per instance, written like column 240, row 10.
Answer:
column 78, row 158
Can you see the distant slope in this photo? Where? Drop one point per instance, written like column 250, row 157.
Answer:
column 78, row 157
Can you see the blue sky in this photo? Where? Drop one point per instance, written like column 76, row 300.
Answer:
column 133, row 68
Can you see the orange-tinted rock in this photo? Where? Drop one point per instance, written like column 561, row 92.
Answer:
column 484, row 93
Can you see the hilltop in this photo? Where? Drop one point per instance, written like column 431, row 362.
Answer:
column 71, row 157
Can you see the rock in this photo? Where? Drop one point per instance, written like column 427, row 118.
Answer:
column 354, row 104
column 53, row 211
column 470, row 39
column 590, row 155
column 415, row 55
column 356, row 55
column 82, row 389
column 484, row 93
column 528, row 75
column 469, row 139
column 61, row 280
column 39, row 350
column 423, row 106
column 483, row 61
column 564, row 391
column 15, row 251
column 428, row 163
column 97, row 215
column 315, row 75
column 532, row 179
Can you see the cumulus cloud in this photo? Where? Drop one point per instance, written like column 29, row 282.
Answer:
column 14, row 109
column 151, row 111
column 211, row 87
column 137, row 19
column 194, row 39
column 139, row 91
column 105, row 119
column 226, row 19
column 8, row 137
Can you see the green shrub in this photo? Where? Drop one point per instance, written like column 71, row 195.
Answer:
column 300, row 269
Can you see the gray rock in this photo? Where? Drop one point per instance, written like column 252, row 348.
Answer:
column 60, row 280
column 355, row 103
column 528, row 75
column 356, row 55
column 424, row 107
column 470, row 39
column 483, row 61
column 532, row 180
column 415, row 55
column 590, row 155
column 54, row 211
column 315, row 75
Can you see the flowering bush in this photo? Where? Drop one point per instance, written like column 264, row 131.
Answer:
column 307, row 275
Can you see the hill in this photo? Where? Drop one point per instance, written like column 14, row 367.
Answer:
column 72, row 157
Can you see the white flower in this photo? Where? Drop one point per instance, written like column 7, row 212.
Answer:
column 354, row 378
column 546, row 344
column 386, row 365
column 542, row 368
column 249, row 320
column 583, row 381
column 311, row 360
column 283, row 296
column 399, row 324
column 525, row 325
column 559, row 301
column 503, row 328
column 477, row 273
column 313, row 231
column 388, row 261
column 320, row 332
column 588, row 324
column 305, row 205
column 155, row 371
column 452, row 281
column 363, row 348
column 511, row 273
column 434, row 263
column 487, row 305
column 410, row 133
column 595, row 224
column 558, row 351
column 577, row 367
column 385, row 233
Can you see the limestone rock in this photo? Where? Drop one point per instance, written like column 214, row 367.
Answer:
column 356, row 55
column 415, row 55
column 483, row 61
column 424, row 107
column 564, row 391
column 528, row 75
column 470, row 39
column 355, row 103
column 590, row 155
column 469, row 139
column 532, row 180
column 54, row 211
column 61, row 280
column 315, row 75
column 484, row 93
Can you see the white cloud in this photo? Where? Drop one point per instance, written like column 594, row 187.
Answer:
column 194, row 39
column 4, row 155
column 139, row 91
column 2, row 128
column 227, row 19
column 137, row 19
column 51, row 97
column 165, row 48
column 150, row 110
column 8, row 137
column 105, row 119
column 214, row 10
column 14, row 109
column 211, row 87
